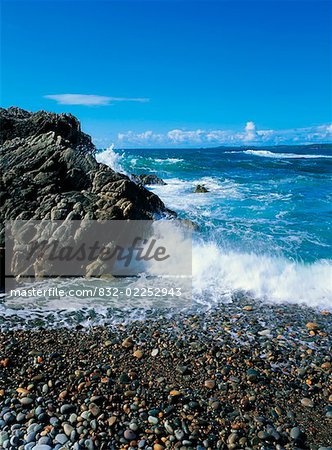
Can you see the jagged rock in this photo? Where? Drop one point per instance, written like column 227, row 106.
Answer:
column 48, row 165
column 190, row 224
column 200, row 189
column 148, row 179
column 18, row 123
column 49, row 171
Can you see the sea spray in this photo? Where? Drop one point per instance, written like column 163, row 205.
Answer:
column 268, row 154
column 112, row 159
column 219, row 274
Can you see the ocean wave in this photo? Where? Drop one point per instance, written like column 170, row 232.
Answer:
column 219, row 274
column 112, row 159
column 169, row 160
column 268, row 154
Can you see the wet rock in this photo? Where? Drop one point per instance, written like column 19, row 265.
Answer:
column 68, row 429
column 49, row 171
column 200, row 189
column 148, row 179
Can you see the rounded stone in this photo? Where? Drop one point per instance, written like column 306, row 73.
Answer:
column 129, row 435
column 307, row 402
column 26, row 401
column 179, row 434
column 61, row 438
column 153, row 420
column 295, row 433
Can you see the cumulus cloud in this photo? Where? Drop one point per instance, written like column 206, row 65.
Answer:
column 144, row 138
column 250, row 134
column 181, row 136
column 90, row 99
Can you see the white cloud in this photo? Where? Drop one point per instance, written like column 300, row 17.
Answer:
column 144, row 138
column 249, row 135
column 250, row 131
column 90, row 99
column 181, row 136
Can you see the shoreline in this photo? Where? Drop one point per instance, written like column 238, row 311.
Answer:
column 245, row 375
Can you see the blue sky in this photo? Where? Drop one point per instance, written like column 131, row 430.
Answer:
column 172, row 73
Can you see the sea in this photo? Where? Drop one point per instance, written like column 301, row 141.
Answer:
column 265, row 229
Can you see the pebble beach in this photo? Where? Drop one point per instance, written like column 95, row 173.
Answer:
column 246, row 375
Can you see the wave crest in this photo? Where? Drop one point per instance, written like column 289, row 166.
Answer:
column 111, row 159
column 219, row 274
column 268, row 154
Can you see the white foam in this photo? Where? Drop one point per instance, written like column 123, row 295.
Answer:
column 112, row 159
column 169, row 160
column 218, row 274
column 179, row 194
column 268, row 154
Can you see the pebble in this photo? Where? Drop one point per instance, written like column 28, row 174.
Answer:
column 210, row 384
column 248, row 308
column 45, row 440
column 153, row 420
column 67, row 408
column 61, row 438
column 266, row 332
column 252, row 375
column 307, row 402
column 179, row 434
column 73, row 418
column 312, row 326
column 94, row 409
column 68, row 429
column 295, row 433
column 263, row 435
column 42, row 447
column 89, row 444
column 129, row 435
column 26, row 401
column 241, row 395
column 138, row 354
column 128, row 342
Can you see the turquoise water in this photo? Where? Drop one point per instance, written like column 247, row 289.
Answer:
column 265, row 233
column 266, row 222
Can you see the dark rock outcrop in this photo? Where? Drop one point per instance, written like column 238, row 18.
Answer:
column 18, row 123
column 200, row 189
column 148, row 179
column 49, row 172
